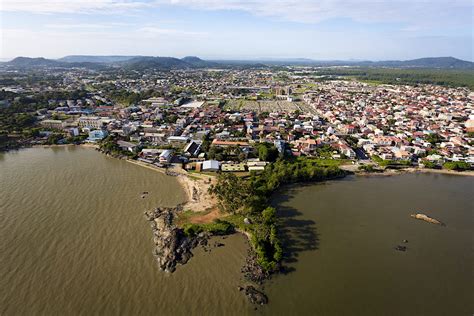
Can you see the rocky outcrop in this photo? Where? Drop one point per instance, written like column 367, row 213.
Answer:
column 255, row 296
column 172, row 246
column 251, row 270
column 426, row 218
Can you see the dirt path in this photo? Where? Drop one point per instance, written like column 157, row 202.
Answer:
column 206, row 218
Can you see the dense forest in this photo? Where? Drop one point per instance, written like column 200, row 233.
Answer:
column 442, row 77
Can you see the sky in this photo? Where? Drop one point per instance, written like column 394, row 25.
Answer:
column 239, row 29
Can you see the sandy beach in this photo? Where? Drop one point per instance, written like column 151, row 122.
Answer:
column 195, row 186
column 198, row 197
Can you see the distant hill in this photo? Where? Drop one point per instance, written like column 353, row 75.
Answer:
column 166, row 63
column 40, row 62
column 198, row 62
column 429, row 62
column 141, row 63
column 95, row 59
column 138, row 63
column 32, row 62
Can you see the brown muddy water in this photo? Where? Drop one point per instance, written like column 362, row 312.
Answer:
column 74, row 241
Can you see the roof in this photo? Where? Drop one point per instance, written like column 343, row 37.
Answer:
column 257, row 168
column 193, row 104
column 210, row 164
column 217, row 142
column 178, row 138
column 192, row 148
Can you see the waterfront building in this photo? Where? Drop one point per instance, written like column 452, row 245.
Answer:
column 166, row 156
column 54, row 124
column 210, row 165
column 97, row 135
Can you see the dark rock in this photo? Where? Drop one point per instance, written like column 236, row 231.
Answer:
column 255, row 296
column 172, row 246
column 400, row 248
column 252, row 271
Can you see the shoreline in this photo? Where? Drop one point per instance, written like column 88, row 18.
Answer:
column 195, row 188
column 392, row 172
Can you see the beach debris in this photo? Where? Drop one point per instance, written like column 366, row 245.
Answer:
column 427, row 219
column 247, row 221
column 405, row 241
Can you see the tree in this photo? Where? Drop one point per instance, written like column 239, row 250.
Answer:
column 269, row 215
column 232, row 192
column 267, row 152
column 206, row 143
column 457, row 165
column 434, row 138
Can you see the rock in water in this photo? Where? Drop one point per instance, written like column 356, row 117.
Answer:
column 172, row 246
column 255, row 296
column 400, row 248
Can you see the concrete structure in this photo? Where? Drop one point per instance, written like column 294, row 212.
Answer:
column 210, row 165
column 97, row 135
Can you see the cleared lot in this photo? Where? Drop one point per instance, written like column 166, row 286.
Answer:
column 267, row 106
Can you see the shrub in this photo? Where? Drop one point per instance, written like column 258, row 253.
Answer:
column 457, row 165
column 218, row 227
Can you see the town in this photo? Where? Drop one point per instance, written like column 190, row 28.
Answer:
column 239, row 119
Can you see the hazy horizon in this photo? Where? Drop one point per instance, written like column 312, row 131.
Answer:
column 255, row 59
column 238, row 29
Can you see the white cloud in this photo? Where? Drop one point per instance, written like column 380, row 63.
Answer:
column 57, row 42
column 310, row 11
column 85, row 25
column 72, row 6
column 410, row 12
column 151, row 31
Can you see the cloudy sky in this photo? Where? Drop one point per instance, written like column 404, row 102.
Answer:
column 319, row 29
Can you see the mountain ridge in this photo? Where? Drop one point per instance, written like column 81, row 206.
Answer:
column 141, row 63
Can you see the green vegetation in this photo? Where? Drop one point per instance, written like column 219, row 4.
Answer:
column 391, row 163
column 368, row 168
column 128, row 98
column 267, row 152
column 218, row 227
column 430, row 164
column 325, row 151
column 329, row 162
column 233, row 153
column 442, row 77
column 457, row 165
column 18, row 115
column 54, row 139
column 109, row 146
column 434, row 138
